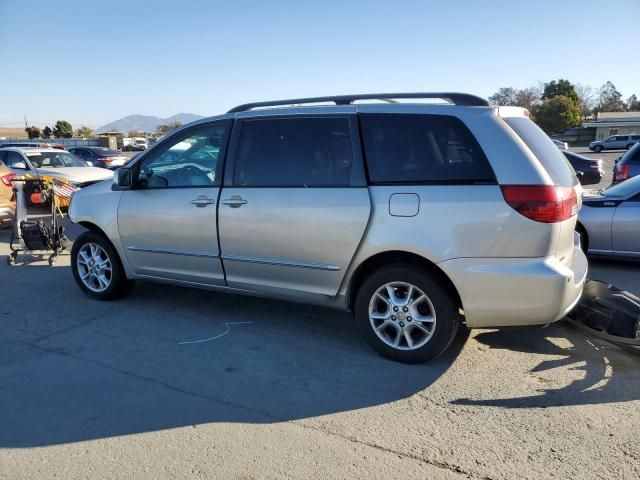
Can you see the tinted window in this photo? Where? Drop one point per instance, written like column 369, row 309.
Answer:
column 294, row 152
column 422, row 148
column 632, row 156
column 622, row 138
column 545, row 150
column 104, row 151
column 188, row 159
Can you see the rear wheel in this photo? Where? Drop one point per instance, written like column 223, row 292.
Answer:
column 629, row 146
column 405, row 314
column 97, row 268
column 597, row 148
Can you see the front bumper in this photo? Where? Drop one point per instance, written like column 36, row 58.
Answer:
column 498, row 292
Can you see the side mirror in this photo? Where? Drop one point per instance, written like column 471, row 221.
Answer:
column 122, row 178
column 19, row 166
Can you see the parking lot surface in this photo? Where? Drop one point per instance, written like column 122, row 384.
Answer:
column 277, row 390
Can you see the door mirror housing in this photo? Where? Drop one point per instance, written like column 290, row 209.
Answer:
column 122, row 178
column 19, row 166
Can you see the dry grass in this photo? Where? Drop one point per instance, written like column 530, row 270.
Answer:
column 13, row 133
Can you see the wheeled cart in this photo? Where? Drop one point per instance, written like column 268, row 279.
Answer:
column 35, row 236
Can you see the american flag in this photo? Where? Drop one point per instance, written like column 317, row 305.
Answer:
column 63, row 190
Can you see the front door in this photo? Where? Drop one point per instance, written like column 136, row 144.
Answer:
column 625, row 229
column 296, row 208
column 167, row 222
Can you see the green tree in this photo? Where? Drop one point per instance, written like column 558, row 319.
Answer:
column 560, row 88
column 633, row 104
column 33, row 132
column 164, row 129
column 505, row 96
column 557, row 114
column 84, row 132
column 610, row 99
column 62, row 129
column 47, row 132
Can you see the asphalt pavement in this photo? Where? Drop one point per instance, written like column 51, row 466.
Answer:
column 176, row 383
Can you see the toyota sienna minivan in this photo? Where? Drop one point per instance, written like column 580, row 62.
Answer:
column 417, row 217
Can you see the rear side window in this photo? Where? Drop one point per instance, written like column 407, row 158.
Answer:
column 632, row 156
column 551, row 158
column 422, row 149
column 294, row 152
column 622, row 138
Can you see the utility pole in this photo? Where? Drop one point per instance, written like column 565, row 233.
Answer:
column 26, row 125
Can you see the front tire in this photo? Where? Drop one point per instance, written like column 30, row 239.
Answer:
column 405, row 314
column 97, row 268
column 597, row 148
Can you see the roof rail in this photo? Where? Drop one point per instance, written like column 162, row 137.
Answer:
column 452, row 97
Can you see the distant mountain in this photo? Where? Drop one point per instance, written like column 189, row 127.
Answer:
column 145, row 123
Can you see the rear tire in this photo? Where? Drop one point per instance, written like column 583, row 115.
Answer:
column 597, row 148
column 629, row 146
column 97, row 268
column 393, row 307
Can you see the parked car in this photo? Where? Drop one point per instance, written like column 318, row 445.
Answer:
column 609, row 221
column 138, row 144
column 615, row 142
column 588, row 170
column 561, row 145
column 628, row 165
column 7, row 202
column 47, row 163
column 406, row 214
column 102, row 157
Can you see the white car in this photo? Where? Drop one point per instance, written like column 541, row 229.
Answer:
column 561, row 145
column 53, row 163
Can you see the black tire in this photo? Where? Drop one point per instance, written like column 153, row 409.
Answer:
column 119, row 285
column 584, row 238
column 629, row 146
column 597, row 148
column 444, row 303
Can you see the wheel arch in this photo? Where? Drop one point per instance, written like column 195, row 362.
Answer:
column 92, row 227
column 381, row 259
column 580, row 228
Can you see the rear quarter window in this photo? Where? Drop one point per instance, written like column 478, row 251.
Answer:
column 404, row 148
column 551, row 158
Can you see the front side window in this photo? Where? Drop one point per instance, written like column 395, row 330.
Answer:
column 294, row 152
column 189, row 159
column 402, row 148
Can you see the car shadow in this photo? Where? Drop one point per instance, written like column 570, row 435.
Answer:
column 168, row 357
column 610, row 372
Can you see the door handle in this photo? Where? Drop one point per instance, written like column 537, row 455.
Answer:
column 202, row 201
column 235, row 201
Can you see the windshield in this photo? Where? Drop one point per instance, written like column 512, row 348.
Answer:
column 624, row 189
column 54, row 160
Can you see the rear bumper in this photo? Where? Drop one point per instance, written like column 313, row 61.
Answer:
column 498, row 292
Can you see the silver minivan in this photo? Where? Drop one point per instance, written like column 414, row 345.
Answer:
column 615, row 142
column 418, row 217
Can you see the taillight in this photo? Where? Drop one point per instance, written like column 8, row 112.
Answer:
column 107, row 159
column 623, row 173
column 7, row 179
column 542, row 203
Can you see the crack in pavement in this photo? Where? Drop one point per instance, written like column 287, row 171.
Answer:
column 299, row 423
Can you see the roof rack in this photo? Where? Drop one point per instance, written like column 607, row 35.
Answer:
column 455, row 98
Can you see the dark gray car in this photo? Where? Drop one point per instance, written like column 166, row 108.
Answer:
column 628, row 165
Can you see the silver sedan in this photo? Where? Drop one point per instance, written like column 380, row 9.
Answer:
column 609, row 221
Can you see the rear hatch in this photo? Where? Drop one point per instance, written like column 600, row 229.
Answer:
column 564, row 185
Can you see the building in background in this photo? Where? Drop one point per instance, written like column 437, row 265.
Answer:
column 615, row 123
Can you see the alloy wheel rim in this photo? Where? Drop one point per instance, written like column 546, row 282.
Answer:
column 94, row 267
column 402, row 316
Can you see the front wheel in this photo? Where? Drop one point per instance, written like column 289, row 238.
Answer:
column 597, row 148
column 405, row 314
column 97, row 268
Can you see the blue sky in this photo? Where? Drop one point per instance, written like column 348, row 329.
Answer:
column 93, row 62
